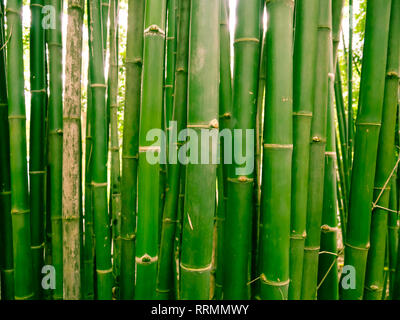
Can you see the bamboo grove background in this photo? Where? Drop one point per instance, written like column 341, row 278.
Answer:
column 317, row 82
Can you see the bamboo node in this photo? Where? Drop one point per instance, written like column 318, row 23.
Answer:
column 16, row 117
column 13, row 11
column 104, row 271
column 374, row 124
column 272, row 283
column 28, row 297
column 40, row 246
column 14, row 211
column 325, row 228
column 392, row 74
column 214, row 124
column 256, row 40
column 277, row 146
column 357, row 248
column 226, row 116
column 99, row 184
column 154, row 29
column 98, row 85
column 242, row 179
column 303, row 114
column 54, row 44
column 37, row 172
column 39, row 90
column 149, row 148
column 191, row 269
column 373, row 288
column 311, row 248
column 146, row 259
column 36, row 5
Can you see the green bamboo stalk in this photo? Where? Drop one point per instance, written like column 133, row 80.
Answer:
column 278, row 148
column 384, row 292
column 238, row 221
column 384, row 164
column 350, row 120
column 395, row 291
column 147, row 238
column 178, row 234
column 225, row 115
column 36, row 157
column 6, row 240
column 305, row 50
column 258, row 155
column 166, row 267
column 317, row 153
column 343, row 162
column 171, row 46
column 393, row 236
column 219, row 234
column 105, row 8
column 337, row 13
column 114, row 142
column 130, row 147
column 366, row 142
column 99, row 173
column 88, row 250
column 54, row 44
column 20, row 210
column 200, row 190
column 48, row 260
column 328, row 282
column 72, row 162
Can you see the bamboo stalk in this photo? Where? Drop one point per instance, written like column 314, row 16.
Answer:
column 393, row 234
column 99, row 174
column 225, row 116
column 305, row 50
column 171, row 46
column 384, row 164
column 366, row 142
column 328, row 288
column 6, row 239
column 337, row 13
column 165, row 274
column 130, row 147
column 317, row 153
column 350, row 120
column 20, row 210
column 278, row 148
column 88, row 250
column 55, row 136
column 200, row 190
column 147, row 238
column 37, row 131
column 238, row 221
column 114, row 142
column 72, row 162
